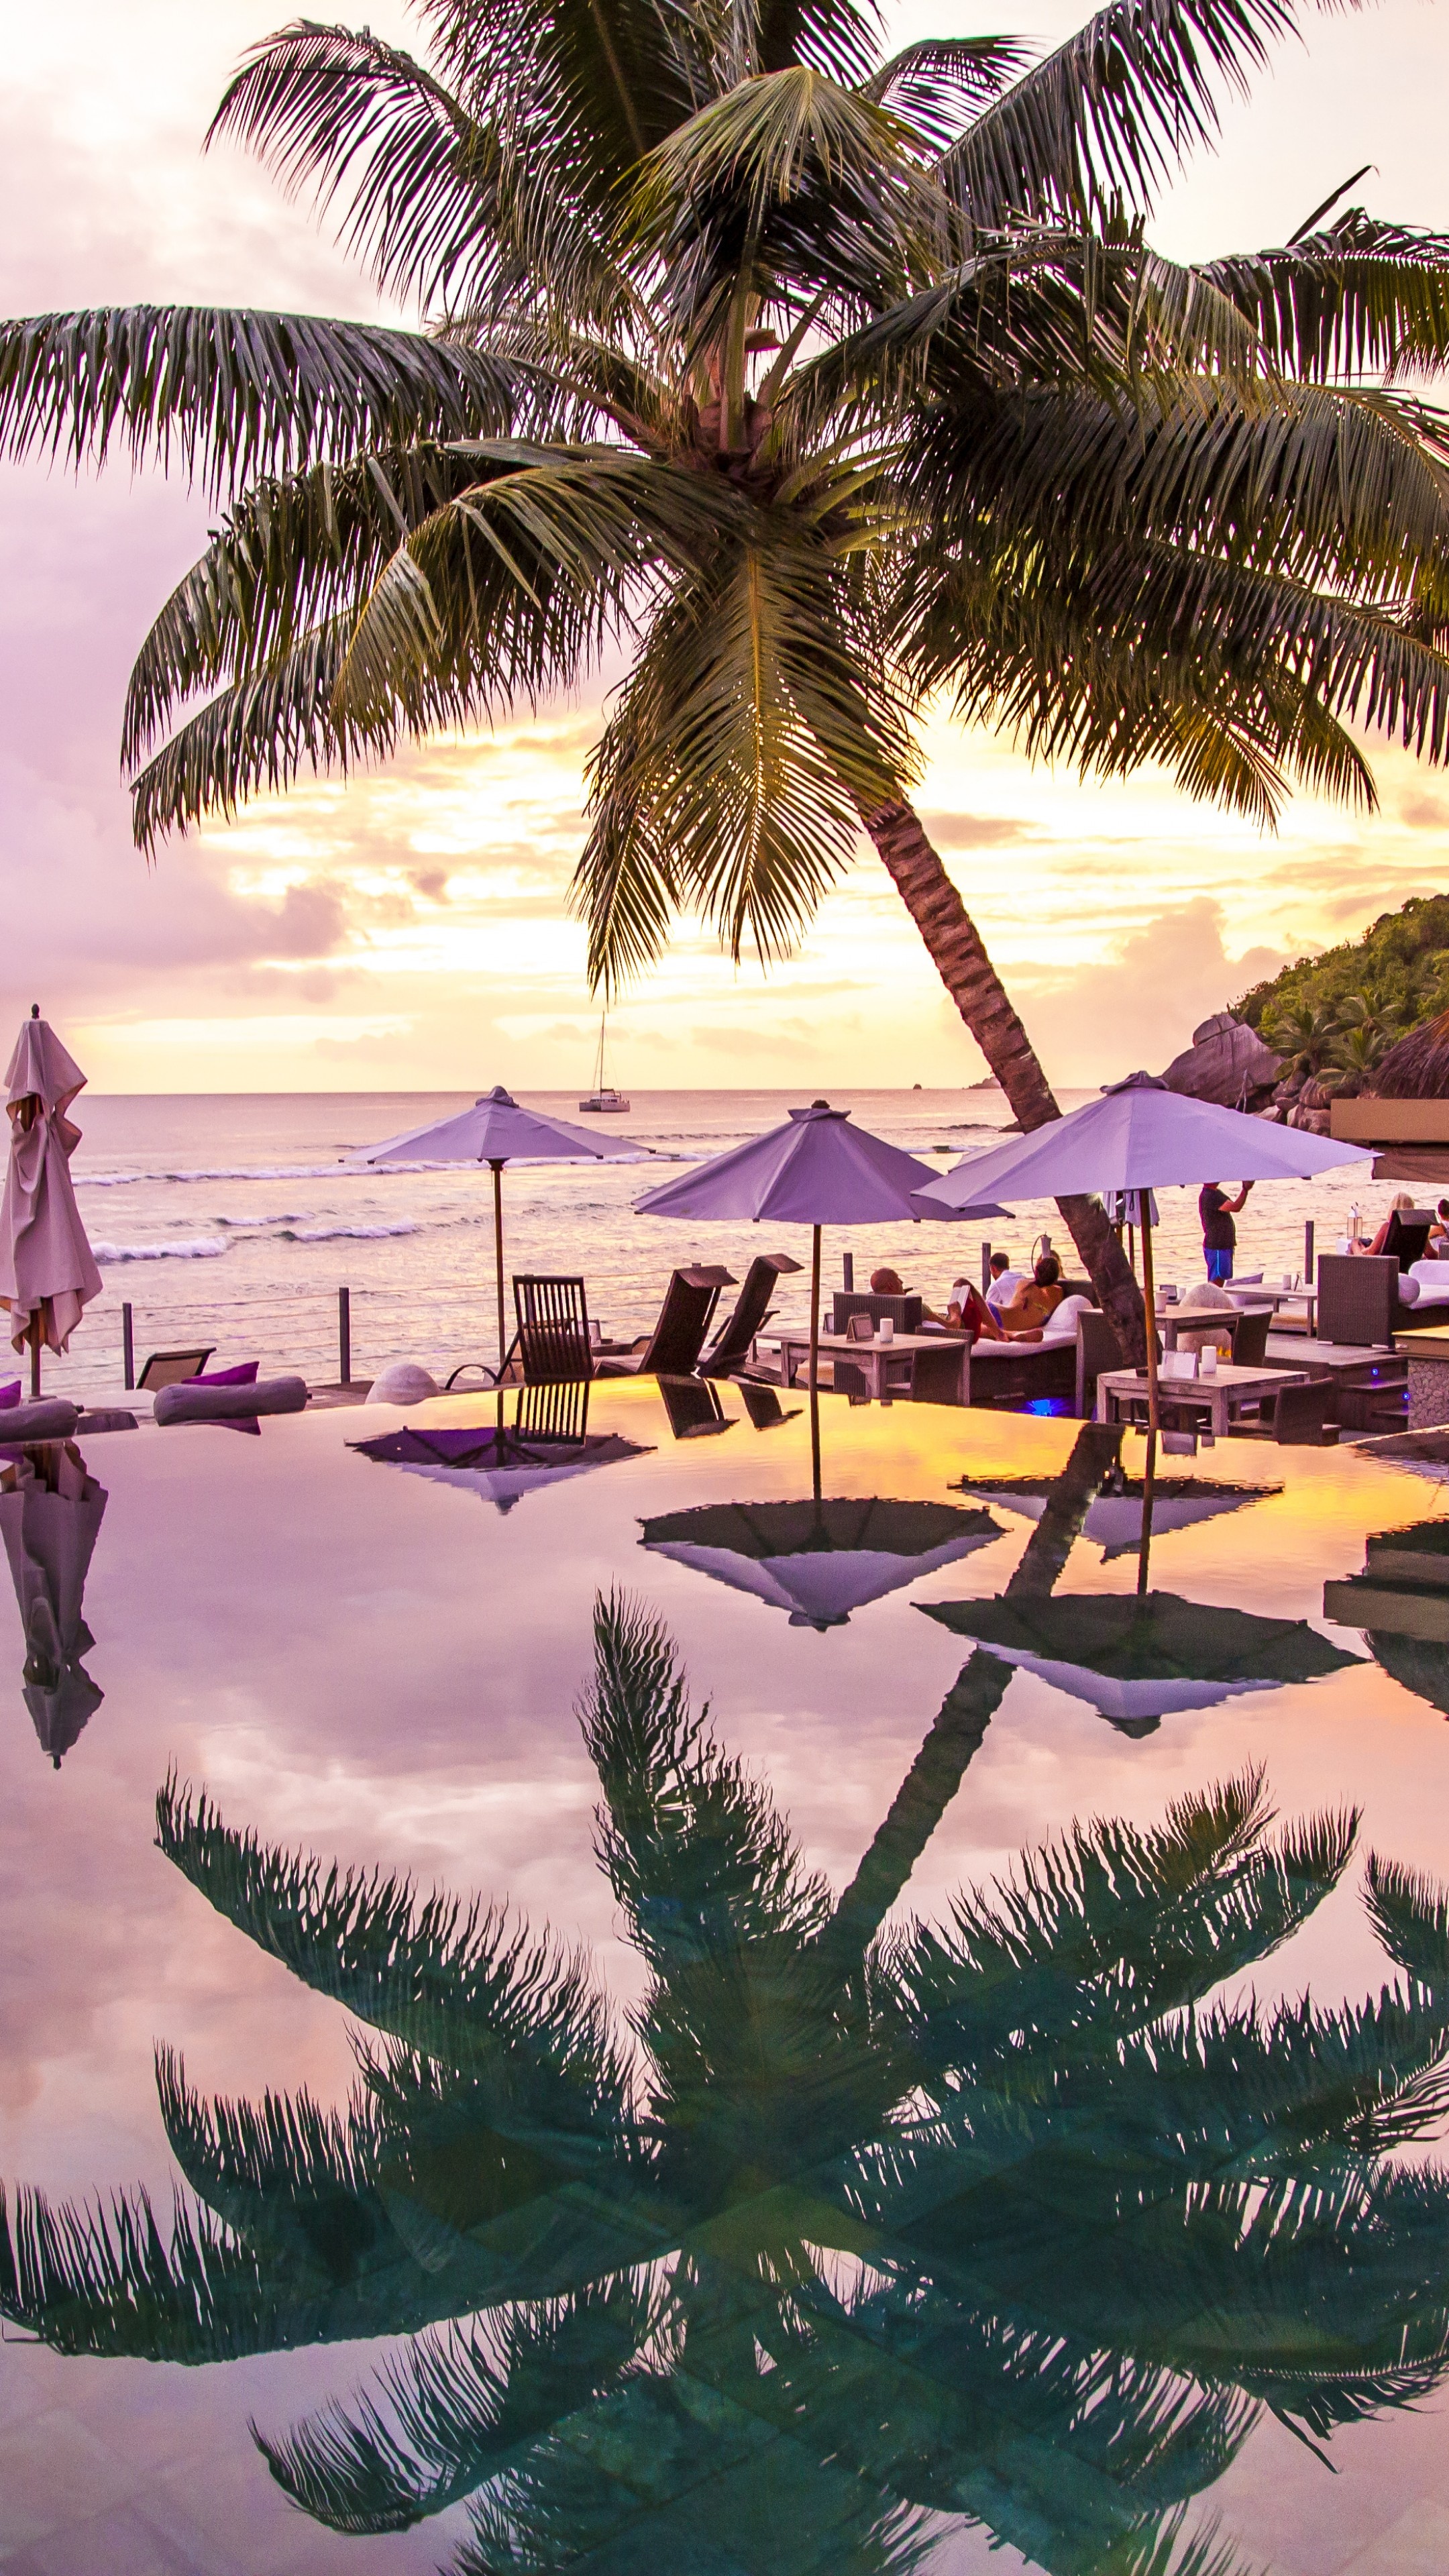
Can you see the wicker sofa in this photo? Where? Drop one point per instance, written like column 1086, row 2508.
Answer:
column 1358, row 1299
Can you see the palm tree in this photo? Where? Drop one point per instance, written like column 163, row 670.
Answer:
column 1001, row 2217
column 821, row 381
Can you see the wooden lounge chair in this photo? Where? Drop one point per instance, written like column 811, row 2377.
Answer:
column 674, row 1346
column 763, row 1406
column 168, row 1368
column 732, row 1344
column 550, row 1345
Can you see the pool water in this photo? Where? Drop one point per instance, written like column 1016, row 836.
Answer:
column 527, row 2038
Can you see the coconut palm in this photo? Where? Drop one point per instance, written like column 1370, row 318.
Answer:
column 818, row 381
column 1001, row 2217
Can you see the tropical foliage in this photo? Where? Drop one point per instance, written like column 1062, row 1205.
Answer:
column 1026, row 2215
column 816, row 382
column 1395, row 976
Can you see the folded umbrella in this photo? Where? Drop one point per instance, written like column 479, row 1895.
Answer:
column 50, row 1517
column 48, row 1272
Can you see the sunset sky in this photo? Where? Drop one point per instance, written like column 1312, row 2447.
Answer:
column 410, row 929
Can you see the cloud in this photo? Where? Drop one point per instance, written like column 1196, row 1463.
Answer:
column 1141, row 1007
column 1424, row 813
column 975, row 831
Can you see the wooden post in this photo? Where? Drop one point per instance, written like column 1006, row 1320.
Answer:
column 35, row 1358
column 985, row 1268
column 128, row 1347
column 1148, row 1479
column 1308, row 1254
column 344, row 1337
column 847, row 1269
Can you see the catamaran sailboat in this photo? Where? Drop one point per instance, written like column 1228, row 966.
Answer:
column 603, row 1096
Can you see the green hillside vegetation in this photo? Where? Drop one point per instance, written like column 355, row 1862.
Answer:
column 1336, row 1014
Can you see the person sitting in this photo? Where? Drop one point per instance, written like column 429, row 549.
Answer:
column 1403, row 1206
column 969, row 1312
column 1439, row 1231
column 1004, row 1282
column 1038, row 1297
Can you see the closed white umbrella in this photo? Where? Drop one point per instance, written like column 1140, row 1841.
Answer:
column 50, row 1517
column 1139, row 1136
column 496, row 1131
column 48, row 1272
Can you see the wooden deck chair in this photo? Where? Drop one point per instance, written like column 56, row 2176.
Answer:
column 170, row 1368
column 674, row 1346
column 752, row 1310
column 550, row 1345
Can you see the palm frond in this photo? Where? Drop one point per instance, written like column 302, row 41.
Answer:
column 1112, row 112
column 261, row 733
column 112, row 2281
column 1410, row 1914
column 514, row 585
column 226, row 395
column 450, row 2410
column 936, row 81
column 1364, row 296
column 755, row 728
column 417, row 183
column 462, row 1982
column 1099, row 1934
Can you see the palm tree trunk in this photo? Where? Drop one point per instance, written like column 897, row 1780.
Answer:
column 959, row 956
column 967, row 1710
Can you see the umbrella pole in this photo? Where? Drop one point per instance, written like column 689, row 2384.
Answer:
column 1148, row 1294
column 1148, row 1480
column 497, row 1171
column 815, row 1357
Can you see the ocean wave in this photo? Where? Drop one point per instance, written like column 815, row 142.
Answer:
column 216, row 1172
column 205, row 1247
column 354, row 1233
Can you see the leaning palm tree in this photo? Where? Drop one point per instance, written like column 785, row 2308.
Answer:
column 1003, row 2217
column 821, row 382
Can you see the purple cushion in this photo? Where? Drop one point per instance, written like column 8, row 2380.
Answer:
column 244, row 1374
column 10, row 1393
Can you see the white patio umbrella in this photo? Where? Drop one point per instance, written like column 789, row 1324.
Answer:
column 496, row 1131
column 48, row 1272
column 816, row 1170
column 50, row 1517
column 1139, row 1137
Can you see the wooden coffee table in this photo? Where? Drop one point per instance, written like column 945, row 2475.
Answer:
column 871, row 1357
column 1220, row 1397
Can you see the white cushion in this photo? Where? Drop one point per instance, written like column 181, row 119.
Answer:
column 1431, row 1278
column 1409, row 1290
column 1061, row 1324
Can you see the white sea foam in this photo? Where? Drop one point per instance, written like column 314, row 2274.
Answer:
column 205, row 1247
column 222, row 1172
column 357, row 1233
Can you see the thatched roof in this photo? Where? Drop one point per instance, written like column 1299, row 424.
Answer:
column 1418, row 1067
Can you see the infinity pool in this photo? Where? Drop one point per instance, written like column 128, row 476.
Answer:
column 527, row 2038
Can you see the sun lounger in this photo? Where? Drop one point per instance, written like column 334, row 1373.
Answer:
column 169, row 1368
column 733, row 1342
column 674, row 1346
column 183, row 1403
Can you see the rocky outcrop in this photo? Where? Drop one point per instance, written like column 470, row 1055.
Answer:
column 1226, row 1062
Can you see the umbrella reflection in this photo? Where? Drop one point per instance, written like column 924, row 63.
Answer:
column 1002, row 2219
column 1139, row 1658
column 1114, row 1522
column 50, row 1516
column 819, row 1561
column 1401, row 1603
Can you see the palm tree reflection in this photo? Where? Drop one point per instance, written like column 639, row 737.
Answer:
column 842, row 2228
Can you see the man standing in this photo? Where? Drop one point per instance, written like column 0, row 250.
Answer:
column 1219, row 1234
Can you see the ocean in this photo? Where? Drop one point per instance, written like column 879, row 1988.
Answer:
column 234, row 1219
